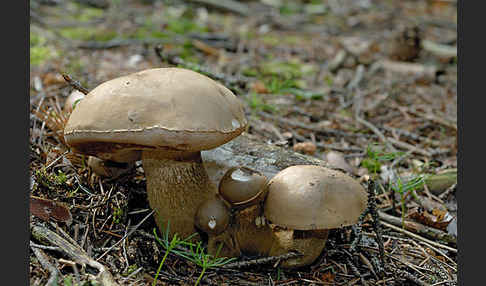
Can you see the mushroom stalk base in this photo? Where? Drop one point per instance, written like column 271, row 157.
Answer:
column 175, row 189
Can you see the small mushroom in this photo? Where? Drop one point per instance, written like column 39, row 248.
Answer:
column 242, row 235
column 213, row 216
column 107, row 168
column 304, row 202
column 242, row 189
column 165, row 117
column 241, row 186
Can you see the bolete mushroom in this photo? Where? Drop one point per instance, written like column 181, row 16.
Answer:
column 164, row 116
column 108, row 168
column 241, row 186
column 305, row 201
column 241, row 189
column 213, row 216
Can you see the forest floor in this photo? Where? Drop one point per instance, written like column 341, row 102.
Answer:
column 375, row 81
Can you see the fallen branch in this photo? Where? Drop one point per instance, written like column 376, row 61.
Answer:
column 377, row 132
column 233, row 83
column 75, row 84
column 55, row 274
column 312, row 127
column 114, row 43
column 104, row 277
column 441, row 51
column 259, row 261
column 226, row 5
column 418, row 228
column 265, row 158
column 427, row 73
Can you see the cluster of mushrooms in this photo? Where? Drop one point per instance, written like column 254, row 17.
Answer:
column 165, row 117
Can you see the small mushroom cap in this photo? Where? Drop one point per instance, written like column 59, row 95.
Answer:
column 308, row 197
column 172, row 109
column 213, row 216
column 108, row 168
column 241, row 185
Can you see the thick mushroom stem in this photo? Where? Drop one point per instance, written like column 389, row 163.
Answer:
column 310, row 243
column 175, row 188
column 248, row 234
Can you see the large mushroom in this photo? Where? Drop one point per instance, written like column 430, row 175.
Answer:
column 102, row 168
column 165, row 117
column 304, row 202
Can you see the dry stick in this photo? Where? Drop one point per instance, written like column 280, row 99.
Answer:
column 126, row 235
column 411, row 234
column 74, row 83
column 416, row 227
column 336, row 62
column 433, row 258
column 327, row 146
column 95, row 45
column 227, row 5
column 45, row 247
column 315, row 129
column 377, row 132
column 443, row 51
column 434, row 118
column 44, row 261
column 354, row 269
column 448, row 191
column 74, row 251
column 409, row 147
column 259, row 261
column 358, row 76
column 408, row 276
column 411, row 135
column 233, row 83
column 55, row 160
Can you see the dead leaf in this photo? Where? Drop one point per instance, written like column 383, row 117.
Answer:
column 327, row 277
column 439, row 219
column 259, row 87
column 46, row 209
column 308, row 148
column 53, row 78
column 206, row 48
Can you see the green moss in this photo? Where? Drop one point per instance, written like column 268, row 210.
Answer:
column 117, row 215
column 39, row 50
column 253, row 72
column 145, row 32
column 39, row 55
column 74, row 67
column 184, row 26
column 89, row 13
column 289, row 69
column 51, row 181
column 256, row 103
column 270, row 40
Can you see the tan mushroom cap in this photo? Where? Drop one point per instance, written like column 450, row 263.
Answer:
column 241, row 185
column 168, row 108
column 308, row 197
column 213, row 216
